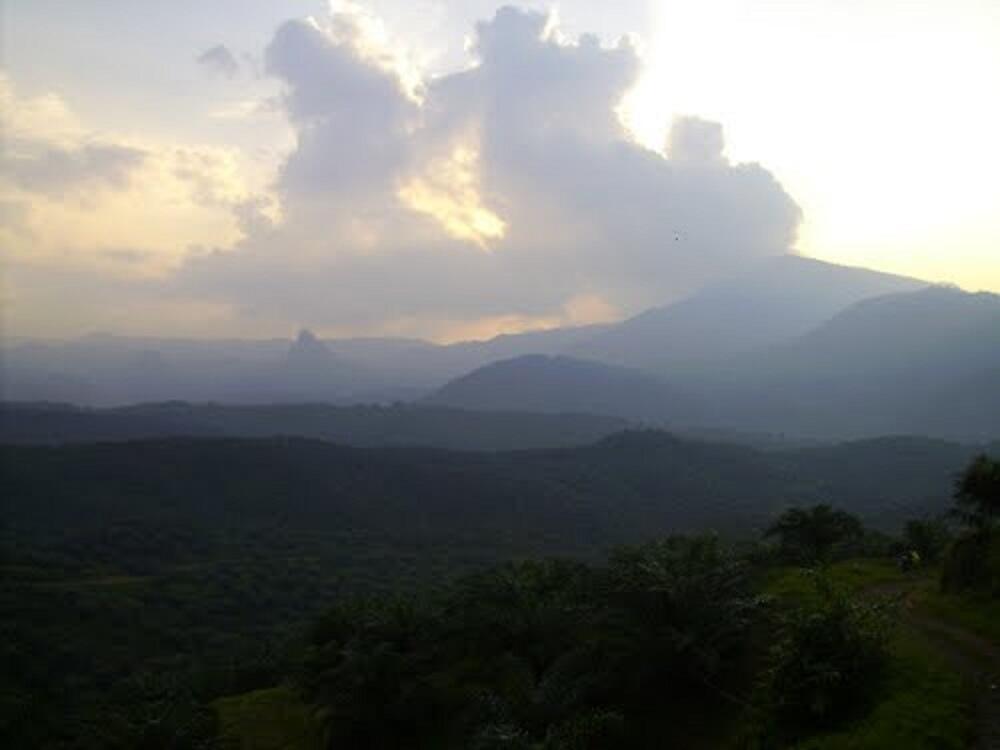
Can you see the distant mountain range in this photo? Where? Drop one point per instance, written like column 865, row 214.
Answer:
column 923, row 362
column 105, row 370
column 793, row 346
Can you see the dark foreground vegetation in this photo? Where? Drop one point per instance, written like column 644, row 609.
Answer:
column 288, row 593
column 664, row 644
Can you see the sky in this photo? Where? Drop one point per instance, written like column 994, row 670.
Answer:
column 454, row 170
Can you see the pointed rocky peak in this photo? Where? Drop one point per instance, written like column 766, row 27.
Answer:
column 307, row 351
column 307, row 338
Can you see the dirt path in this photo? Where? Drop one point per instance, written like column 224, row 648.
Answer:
column 975, row 658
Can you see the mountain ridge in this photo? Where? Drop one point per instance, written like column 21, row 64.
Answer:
column 771, row 302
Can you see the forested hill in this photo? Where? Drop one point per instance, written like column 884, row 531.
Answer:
column 147, row 504
column 152, row 503
column 168, row 572
column 540, row 383
column 363, row 424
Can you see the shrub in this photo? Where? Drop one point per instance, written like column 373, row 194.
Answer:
column 598, row 730
column 974, row 560
column 973, row 564
column 977, row 493
column 537, row 654
column 814, row 534
column 825, row 665
column 927, row 537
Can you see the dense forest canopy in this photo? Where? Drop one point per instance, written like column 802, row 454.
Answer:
column 187, row 567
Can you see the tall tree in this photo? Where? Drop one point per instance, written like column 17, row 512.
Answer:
column 977, row 493
column 811, row 534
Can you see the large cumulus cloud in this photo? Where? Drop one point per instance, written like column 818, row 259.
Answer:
column 509, row 188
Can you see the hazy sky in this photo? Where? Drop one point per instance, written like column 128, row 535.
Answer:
column 445, row 169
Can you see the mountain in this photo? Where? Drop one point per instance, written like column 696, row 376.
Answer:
column 101, row 369
column 307, row 356
column 421, row 364
column 923, row 362
column 933, row 332
column 793, row 346
column 774, row 301
column 311, row 371
column 360, row 425
column 106, row 370
column 542, row 383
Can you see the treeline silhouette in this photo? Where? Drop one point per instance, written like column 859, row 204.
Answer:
column 361, row 424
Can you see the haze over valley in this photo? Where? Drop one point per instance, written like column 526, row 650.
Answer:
column 794, row 346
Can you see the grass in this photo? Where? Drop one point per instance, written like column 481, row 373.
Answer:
column 923, row 702
column 977, row 613
column 924, row 706
column 271, row 719
column 854, row 575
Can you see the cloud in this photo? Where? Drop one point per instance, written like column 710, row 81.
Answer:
column 348, row 104
column 72, row 198
column 505, row 194
column 219, row 60
column 692, row 139
column 57, row 170
column 46, row 150
column 509, row 189
column 36, row 296
column 14, row 217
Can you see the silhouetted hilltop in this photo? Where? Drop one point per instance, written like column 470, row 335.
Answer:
column 364, row 425
column 564, row 384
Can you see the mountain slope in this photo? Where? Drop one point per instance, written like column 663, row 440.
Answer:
column 310, row 370
column 923, row 362
column 774, row 301
column 562, row 384
column 425, row 365
column 933, row 331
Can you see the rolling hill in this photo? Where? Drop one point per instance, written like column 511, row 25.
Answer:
column 361, row 425
column 563, row 384
column 175, row 500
